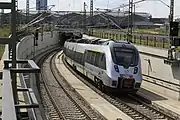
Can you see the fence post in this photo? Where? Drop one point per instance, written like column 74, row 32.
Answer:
column 140, row 40
column 147, row 41
column 135, row 39
column 154, row 41
column 163, row 42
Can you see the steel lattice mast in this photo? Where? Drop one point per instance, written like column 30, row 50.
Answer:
column 84, row 21
column 91, row 16
column 27, row 11
column 130, row 21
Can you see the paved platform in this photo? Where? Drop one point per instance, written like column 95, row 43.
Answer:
column 1, row 70
column 0, row 96
column 168, row 105
column 96, row 102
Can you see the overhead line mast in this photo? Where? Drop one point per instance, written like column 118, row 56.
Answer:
column 91, row 16
column 27, row 11
column 130, row 21
column 84, row 21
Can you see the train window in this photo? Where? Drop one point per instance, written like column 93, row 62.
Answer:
column 68, row 53
column 72, row 54
column 97, row 59
column 85, row 55
column 79, row 58
column 102, row 61
column 82, row 59
column 125, row 57
column 88, row 58
column 75, row 56
column 92, row 56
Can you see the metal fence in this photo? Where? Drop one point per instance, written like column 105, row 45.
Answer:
column 141, row 39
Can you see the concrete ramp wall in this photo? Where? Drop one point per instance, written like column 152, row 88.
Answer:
column 25, row 49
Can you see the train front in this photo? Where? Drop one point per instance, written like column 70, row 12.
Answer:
column 125, row 71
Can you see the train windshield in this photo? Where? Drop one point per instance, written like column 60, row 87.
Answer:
column 126, row 57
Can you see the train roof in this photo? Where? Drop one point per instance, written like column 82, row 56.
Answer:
column 109, row 42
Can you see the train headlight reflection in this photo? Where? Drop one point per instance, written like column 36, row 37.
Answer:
column 135, row 70
column 116, row 68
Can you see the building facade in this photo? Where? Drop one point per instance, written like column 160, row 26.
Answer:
column 41, row 4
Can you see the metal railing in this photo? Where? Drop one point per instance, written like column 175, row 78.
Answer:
column 141, row 39
column 10, row 109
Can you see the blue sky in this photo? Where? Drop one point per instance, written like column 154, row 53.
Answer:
column 154, row 7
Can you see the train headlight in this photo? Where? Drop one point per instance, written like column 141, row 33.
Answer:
column 114, row 83
column 116, row 68
column 135, row 70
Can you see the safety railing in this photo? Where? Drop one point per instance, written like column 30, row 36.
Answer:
column 10, row 108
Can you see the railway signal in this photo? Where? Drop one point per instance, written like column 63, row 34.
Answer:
column 174, row 29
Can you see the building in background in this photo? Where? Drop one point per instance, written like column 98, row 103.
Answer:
column 41, row 4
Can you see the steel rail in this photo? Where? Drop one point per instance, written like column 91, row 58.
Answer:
column 132, row 111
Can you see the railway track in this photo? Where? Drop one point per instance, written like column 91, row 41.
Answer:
column 60, row 101
column 129, row 104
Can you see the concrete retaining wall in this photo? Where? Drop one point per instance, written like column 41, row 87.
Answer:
column 25, row 48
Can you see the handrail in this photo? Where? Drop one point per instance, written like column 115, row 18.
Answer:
column 28, row 95
column 9, row 108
